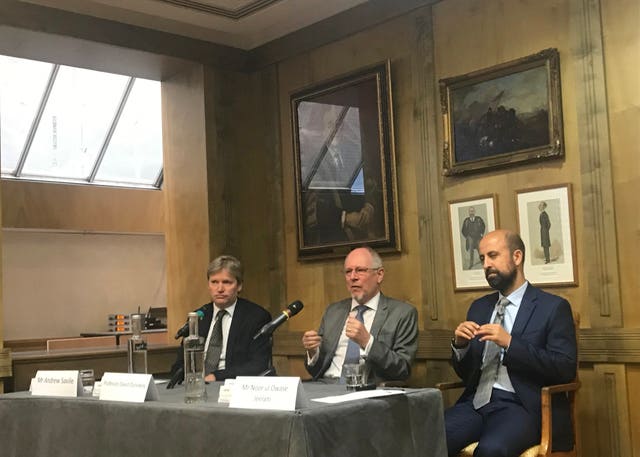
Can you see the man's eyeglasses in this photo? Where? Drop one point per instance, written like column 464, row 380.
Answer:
column 359, row 271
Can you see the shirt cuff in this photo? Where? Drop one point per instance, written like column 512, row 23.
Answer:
column 365, row 352
column 311, row 361
column 459, row 352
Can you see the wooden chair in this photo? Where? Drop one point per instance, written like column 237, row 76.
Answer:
column 546, row 437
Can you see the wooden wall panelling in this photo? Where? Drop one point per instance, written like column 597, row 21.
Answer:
column 613, row 419
column 427, row 169
column 5, row 363
column 70, row 207
column 186, row 192
column 599, row 250
column 26, row 364
column 248, row 159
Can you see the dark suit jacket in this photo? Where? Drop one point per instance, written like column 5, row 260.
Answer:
column 244, row 356
column 395, row 333
column 542, row 352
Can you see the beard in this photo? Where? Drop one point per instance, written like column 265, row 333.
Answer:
column 502, row 280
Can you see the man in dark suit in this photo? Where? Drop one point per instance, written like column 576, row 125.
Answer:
column 534, row 346
column 472, row 229
column 239, row 354
column 545, row 226
column 386, row 338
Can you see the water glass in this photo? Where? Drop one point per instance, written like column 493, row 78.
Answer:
column 354, row 374
column 87, row 378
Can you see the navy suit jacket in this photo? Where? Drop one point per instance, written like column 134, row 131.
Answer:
column 542, row 352
column 245, row 356
column 395, row 339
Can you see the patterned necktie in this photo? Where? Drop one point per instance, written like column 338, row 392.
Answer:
column 215, row 345
column 353, row 349
column 491, row 363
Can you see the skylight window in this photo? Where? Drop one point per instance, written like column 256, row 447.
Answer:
column 60, row 123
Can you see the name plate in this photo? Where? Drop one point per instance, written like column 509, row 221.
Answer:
column 226, row 391
column 60, row 383
column 277, row 393
column 129, row 387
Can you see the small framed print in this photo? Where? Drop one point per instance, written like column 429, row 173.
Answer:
column 470, row 220
column 545, row 222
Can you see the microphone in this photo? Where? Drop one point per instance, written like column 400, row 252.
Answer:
column 293, row 309
column 176, row 378
column 184, row 330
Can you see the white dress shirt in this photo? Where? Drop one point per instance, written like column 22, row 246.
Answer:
column 226, row 325
column 335, row 369
column 510, row 312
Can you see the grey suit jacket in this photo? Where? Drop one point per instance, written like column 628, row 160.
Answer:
column 395, row 333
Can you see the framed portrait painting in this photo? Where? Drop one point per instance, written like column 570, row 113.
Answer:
column 344, row 165
column 504, row 115
column 469, row 221
column 545, row 222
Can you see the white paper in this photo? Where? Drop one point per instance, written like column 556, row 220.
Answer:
column 131, row 387
column 358, row 395
column 226, row 391
column 58, row 383
column 282, row 393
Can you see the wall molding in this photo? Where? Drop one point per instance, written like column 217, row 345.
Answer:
column 428, row 179
column 603, row 345
column 614, row 438
column 5, row 363
column 599, row 226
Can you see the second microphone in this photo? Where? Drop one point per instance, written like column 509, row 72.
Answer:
column 293, row 309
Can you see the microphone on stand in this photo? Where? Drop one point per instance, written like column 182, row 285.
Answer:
column 184, row 330
column 176, row 378
column 293, row 309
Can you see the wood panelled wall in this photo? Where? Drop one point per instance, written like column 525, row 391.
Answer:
column 600, row 110
column 229, row 179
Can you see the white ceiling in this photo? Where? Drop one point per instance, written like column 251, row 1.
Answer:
column 243, row 24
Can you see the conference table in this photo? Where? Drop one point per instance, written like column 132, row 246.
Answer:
column 408, row 424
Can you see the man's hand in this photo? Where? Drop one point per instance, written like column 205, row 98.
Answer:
column 356, row 331
column 464, row 333
column 495, row 333
column 210, row 377
column 311, row 342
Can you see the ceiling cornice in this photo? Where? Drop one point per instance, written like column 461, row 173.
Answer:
column 238, row 13
column 337, row 27
column 36, row 18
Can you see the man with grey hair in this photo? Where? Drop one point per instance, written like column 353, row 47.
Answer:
column 228, row 325
column 379, row 329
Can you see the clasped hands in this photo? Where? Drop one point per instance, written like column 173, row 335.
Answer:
column 468, row 330
column 354, row 330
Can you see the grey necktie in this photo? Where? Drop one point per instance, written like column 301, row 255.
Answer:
column 215, row 345
column 353, row 349
column 491, row 363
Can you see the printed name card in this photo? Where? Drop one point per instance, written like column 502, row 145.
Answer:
column 226, row 391
column 257, row 392
column 60, row 383
column 129, row 387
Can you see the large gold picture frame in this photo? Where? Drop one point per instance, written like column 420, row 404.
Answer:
column 504, row 115
column 344, row 159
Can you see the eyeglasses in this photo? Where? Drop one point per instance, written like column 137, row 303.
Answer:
column 359, row 271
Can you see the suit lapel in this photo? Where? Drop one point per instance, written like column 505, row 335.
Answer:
column 333, row 329
column 489, row 306
column 381, row 316
column 236, row 326
column 527, row 306
column 484, row 318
